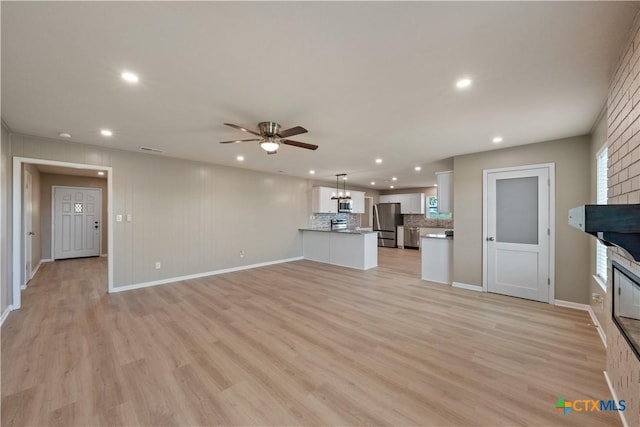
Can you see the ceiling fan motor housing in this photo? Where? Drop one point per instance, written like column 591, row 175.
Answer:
column 268, row 129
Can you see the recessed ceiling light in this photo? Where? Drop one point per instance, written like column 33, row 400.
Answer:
column 240, row 158
column 106, row 132
column 312, row 172
column 391, row 186
column 373, row 183
column 418, row 168
column 378, row 161
column 435, row 185
column 463, row 83
column 130, row 77
column 101, row 173
column 497, row 140
column 394, row 179
column 65, row 134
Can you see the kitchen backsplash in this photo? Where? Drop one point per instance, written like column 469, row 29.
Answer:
column 324, row 220
column 420, row 221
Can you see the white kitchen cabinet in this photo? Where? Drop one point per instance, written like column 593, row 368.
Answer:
column 357, row 197
column 321, row 200
column 445, row 191
column 412, row 203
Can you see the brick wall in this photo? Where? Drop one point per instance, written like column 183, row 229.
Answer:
column 623, row 141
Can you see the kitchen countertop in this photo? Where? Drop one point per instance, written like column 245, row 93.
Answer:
column 436, row 236
column 342, row 230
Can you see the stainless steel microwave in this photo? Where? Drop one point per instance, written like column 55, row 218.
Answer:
column 345, row 205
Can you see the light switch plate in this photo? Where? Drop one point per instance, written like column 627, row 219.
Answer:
column 129, row 217
column 118, row 218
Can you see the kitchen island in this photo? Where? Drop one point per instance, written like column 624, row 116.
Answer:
column 351, row 248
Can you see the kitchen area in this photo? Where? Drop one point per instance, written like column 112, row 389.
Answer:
column 405, row 230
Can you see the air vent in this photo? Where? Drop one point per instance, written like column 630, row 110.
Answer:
column 151, row 150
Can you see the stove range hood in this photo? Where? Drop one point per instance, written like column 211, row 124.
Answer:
column 617, row 225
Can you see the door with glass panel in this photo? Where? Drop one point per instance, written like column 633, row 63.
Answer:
column 517, row 241
column 77, row 222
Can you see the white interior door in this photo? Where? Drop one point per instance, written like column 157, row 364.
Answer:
column 77, row 222
column 27, row 226
column 518, row 234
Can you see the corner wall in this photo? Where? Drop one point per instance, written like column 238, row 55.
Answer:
column 6, row 296
column 571, row 157
column 623, row 141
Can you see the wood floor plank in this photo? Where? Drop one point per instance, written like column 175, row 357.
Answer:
column 300, row 343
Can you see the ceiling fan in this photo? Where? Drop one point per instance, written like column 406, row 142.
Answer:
column 271, row 136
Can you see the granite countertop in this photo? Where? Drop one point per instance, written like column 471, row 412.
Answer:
column 436, row 236
column 342, row 230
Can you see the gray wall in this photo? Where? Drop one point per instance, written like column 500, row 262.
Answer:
column 192, row 217
column 47, row 181
column 572, row 159
column 5, row 219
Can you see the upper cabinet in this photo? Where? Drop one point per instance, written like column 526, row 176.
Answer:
column 358, row 201
column 413, row 203
column 445, row 191
column 321, row 200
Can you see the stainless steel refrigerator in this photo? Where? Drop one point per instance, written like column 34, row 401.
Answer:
column 386, row 219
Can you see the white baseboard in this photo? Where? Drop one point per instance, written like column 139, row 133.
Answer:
column 199, row 275
column 596, row 322
column 571, row 304
column 5, row 314
column 467, row 286
column 35, row 270
column 588, row 309
column 615, row 397
column 104, row 255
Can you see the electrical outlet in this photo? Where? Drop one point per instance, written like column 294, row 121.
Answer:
column 129, row 217
column 241, row 254
column 158, row 265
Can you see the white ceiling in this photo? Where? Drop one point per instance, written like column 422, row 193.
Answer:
column 367, row 79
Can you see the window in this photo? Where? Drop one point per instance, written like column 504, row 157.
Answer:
column 432, row 207
column 601, row 199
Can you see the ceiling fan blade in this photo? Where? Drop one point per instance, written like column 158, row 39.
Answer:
column 239, row 140
column 299, row 144
column 243, row 129
column 291, row 132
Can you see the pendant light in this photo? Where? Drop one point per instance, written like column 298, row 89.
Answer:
column 341, row 194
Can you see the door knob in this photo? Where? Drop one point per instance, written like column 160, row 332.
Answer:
column 31, row 233
column 490, row 239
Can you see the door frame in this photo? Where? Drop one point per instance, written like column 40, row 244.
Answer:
column 53, row 219
column 27, row 245
column 17, row 219
column 552, row 222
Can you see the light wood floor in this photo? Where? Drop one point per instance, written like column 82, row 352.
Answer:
column 301, row 343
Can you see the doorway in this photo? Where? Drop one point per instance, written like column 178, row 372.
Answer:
column 18, row 244
column 518, row 231
column 27, row 228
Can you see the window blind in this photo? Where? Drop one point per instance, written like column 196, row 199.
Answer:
column 601, row 199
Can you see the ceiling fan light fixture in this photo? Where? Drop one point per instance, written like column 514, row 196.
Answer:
column 270, row 145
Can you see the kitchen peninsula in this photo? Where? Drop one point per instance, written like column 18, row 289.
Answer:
column 351, row 248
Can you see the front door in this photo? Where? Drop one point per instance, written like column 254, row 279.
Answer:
column 518, row 234
column 77, row 222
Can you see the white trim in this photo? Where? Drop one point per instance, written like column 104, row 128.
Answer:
column 199, row 275
column 17, row 216
column 571, row 304
column 615, row 398
column 104, row 255
column 552, row 222
column 592, row 314
column 5, row 314
column 35, row 270
column 600, row 282
column 598, row 326
column 46, row 260
column 467, row 286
